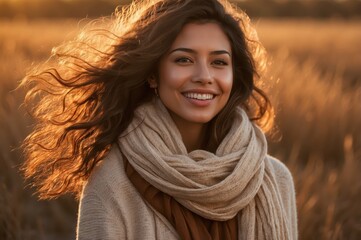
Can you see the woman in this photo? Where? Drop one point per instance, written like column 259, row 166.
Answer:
column 153, row 123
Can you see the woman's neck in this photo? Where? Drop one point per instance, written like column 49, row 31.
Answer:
column 193, row 134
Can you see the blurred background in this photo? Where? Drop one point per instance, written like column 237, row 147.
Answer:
column 314, row 82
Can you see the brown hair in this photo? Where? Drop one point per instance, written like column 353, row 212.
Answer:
column 85, row 96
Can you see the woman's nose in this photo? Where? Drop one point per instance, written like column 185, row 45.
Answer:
column 203, row 74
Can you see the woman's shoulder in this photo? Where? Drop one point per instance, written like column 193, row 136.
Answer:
column 109, row 187
column 283, row 179
column 112, row 208
column 109, row 175
column 285, row 184
column 281, row 171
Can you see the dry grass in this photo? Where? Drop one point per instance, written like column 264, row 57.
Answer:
column 320, row 124
column 21, row 215
column 317, row 92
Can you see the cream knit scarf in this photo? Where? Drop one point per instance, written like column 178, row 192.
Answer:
column 238, row 178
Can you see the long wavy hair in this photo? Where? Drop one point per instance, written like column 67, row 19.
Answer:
column 85, row 95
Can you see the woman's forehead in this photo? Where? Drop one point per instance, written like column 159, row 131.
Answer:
column 202, row 36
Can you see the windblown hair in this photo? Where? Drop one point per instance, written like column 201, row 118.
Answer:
column 84, row 97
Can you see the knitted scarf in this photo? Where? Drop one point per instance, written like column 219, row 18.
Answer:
column 237, row 179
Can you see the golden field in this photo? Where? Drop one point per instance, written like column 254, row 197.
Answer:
column 314, row 82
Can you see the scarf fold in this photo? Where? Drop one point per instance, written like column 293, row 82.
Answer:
column 237, row 179
column 187, row 224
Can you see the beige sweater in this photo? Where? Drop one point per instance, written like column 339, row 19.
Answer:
column 111, row 208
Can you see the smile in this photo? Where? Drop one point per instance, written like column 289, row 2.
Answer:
column 199, row 96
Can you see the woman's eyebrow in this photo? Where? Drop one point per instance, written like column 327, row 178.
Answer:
column 189, row 50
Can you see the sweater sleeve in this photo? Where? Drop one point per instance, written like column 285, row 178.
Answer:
column 288, row 194
column 291, row 205
column 96, row 221
column 111, row 208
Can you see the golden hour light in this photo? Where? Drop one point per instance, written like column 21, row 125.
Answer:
column 134, row 113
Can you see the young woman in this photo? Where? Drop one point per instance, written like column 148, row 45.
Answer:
column 154, row 124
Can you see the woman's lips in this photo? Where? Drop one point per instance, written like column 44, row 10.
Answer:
column 199, row 96
column 199, row 99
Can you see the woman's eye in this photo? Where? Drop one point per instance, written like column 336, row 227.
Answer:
column 183, row 60
column 220, row 62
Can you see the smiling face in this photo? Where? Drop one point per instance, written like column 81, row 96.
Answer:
column 196, row 75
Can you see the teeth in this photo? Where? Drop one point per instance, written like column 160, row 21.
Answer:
column 199, row 96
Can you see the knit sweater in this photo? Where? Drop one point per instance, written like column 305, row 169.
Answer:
column 111, row 207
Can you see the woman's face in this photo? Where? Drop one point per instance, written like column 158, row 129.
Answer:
column 196, row 75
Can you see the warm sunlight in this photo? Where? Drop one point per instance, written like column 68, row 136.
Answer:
column 313, row 81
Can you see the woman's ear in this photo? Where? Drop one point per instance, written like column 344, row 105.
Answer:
column 152, row 82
